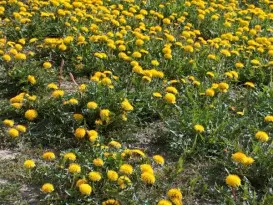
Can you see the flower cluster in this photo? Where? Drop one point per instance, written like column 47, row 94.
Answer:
column 86, row 172
column 75, row 68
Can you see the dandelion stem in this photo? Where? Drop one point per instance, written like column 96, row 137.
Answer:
column 29, row 173
column 73, row 181
column 194, row 143
column 234, row 194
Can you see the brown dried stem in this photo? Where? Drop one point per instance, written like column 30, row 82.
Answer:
column 61, row 73
column 73, row 79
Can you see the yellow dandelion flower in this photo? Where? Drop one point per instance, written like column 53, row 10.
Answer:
column 92, row 105
column 98, row 162
column 13, row 132
column 82, row 87
column 104, row 114
column 47, row 65
column 210, row 92
column 196, row 83
column 110, row 202
column 31, row 98
column 240, row 113
column 106, row 81
column 249, row 84
column 80, row 133
column 262, row 136
column 174, row 193
column 188, row 48
column 148, row 178
column 85, row 189
column 199, row 128
column 249, row 161
column 77, row 116
column 47, row 188
column 31, row 114
column 6, row 57
column 239, row 65
column 92, row 135
column 147, row 79
column 73, row 101
column 112, row 175
column 157, row 95
column 62, row 47
column 214, row 85
column 233, row 180
column 124, row 116
column 8, row 123
column 52, row 86
column 239, row 157
column 137, row 69
column 115, row 144
column 49, row 156
column 136, row 54
column 229, row 75
column 255, row 62
column 234, row 74
column 126, row 105
column 171, row 89
column 29, row 164
column 21, row 128
column 70, row 156
column 20, row 56
column 139, row 42
column 137, row 152
column 126, row 169
column 176, row 201
column 168, row 56
column 210, row 74
column 17, row 105
column 74, row 168
column 225, row 52
column 155, row 63
column 211, row 56
column 164, row 202
column 58, row 93
column 223, row 86
column 123, row 182
column 146, row 168
column 268, row 118
column 81, row 181
column 170, row 98
column 94, row 176
column 31, row 79
column 159, row 159
column 166, row 21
